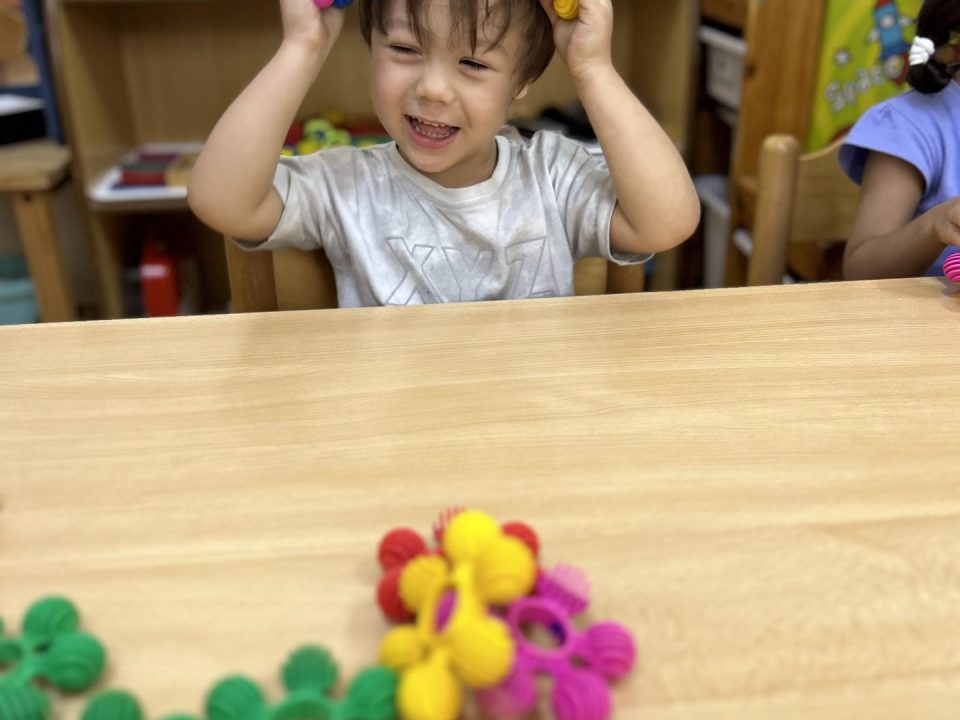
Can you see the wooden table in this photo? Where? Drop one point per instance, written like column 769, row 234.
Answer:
column 762, row 483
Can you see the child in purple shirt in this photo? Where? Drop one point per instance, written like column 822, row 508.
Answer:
column 905, row 153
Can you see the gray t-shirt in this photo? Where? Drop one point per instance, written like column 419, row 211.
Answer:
column 395, row 237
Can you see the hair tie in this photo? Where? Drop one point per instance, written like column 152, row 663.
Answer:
column 921, row 51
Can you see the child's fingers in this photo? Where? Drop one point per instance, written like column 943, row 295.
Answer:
column 948, row 228
column 954, row 214
column 548, row 8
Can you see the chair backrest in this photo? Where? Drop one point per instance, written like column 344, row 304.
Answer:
column 297, row 280
column 800, row 199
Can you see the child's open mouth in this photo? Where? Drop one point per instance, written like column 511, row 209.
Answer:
column 430, row 134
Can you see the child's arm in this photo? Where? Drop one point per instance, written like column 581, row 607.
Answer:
column 657, row 205
column 886, row 241
column 231, row 184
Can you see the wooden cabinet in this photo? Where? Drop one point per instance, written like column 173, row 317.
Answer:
column 726, row 12
column 132, row 72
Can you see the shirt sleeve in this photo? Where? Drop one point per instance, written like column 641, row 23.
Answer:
column 585, row 196
column 886, row 129
column 302, row 183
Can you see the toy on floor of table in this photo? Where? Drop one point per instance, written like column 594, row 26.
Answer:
column 581, row 665
column 401, row 545
column 49, row 651
column 119, row 705
column 485, row 567
column 340, row 4
column 309, row 676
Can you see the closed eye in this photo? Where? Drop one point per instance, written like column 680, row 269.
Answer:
column 473, row 64
column 403, row 50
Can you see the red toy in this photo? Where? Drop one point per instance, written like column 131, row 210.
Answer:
column 401, row 545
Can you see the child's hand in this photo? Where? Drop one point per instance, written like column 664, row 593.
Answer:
column 307, row 25
column 585, row 42
column 946, row 222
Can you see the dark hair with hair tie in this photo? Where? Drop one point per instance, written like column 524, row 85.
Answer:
column 469, row 18
column 939, row 20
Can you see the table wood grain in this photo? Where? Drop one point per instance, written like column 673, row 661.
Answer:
column 761, row 483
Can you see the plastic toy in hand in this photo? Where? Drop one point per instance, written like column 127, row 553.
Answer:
column 951, row 267
column 434, row 656
column 567, row 9
column 581, row 665
column 49, row 650
column 323, row 4
column 401, row 545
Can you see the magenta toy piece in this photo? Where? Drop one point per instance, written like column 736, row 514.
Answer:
column 440, row 524
column 322, row 4
column 567, row 586
column 582, row 664
column 951, row 267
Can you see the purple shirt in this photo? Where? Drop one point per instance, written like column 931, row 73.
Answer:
column 923, row 130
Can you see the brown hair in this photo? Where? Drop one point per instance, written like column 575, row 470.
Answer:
column 938, row 20
column 465, row 15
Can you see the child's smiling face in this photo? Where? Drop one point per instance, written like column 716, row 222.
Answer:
column 441, row 101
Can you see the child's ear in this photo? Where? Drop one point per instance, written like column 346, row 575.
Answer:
column 522, row 92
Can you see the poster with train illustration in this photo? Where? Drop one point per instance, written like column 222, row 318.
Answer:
column 863, row 60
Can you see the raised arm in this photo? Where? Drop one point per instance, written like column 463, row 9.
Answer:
column 886, row 240
column 231, row 184
column 657, row 205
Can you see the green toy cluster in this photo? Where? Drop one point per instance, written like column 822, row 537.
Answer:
column 51, row 654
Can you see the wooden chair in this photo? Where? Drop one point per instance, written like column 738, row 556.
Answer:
column 32, row 171
column 804, row 212
column 779, row 80
column 297, row 280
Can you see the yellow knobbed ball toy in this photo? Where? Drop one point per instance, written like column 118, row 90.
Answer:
column 473, row 647
column 430, row 691
column 566, row 9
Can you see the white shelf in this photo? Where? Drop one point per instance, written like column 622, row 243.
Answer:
column 104, row 195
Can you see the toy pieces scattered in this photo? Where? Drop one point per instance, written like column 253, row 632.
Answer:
column 331, row 130
column 50, row 652
column 309, row 676
column 152, row 169
column 401, row 545
column 120, row 705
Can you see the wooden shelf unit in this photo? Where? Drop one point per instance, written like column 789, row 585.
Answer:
column 732, row 13
column 133, row 72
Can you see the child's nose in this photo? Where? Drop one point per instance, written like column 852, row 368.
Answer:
column 435, row 84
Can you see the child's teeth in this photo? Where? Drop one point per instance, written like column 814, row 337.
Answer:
column 437, row 131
